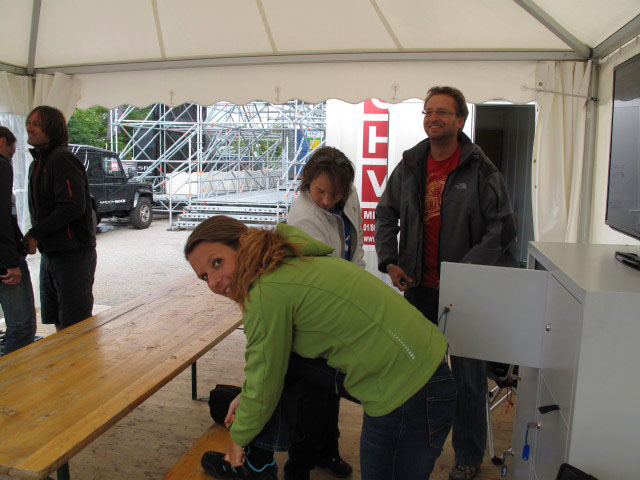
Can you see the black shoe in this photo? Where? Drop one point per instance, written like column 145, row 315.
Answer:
column 215, row 465
column 336, row 466
column 293, row 471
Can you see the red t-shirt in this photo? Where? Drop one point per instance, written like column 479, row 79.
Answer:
column 437, row 173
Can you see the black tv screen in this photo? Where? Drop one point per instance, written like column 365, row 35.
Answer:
column 623, row 195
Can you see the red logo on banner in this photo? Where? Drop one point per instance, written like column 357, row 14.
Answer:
column 375, row 141
column 375, row 106
column 373, row 182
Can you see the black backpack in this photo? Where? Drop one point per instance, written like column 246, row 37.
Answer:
column 219, row 400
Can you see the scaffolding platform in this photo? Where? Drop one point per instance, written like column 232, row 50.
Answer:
column 258, row 208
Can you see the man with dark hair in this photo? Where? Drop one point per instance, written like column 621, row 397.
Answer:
column 450, row 204
column 16, row 292
column 63, row 225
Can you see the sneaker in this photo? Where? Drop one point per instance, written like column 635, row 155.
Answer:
column 463, row 472
column 215, row 465
column 336, row 466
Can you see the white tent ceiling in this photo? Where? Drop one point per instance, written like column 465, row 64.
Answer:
column 89, row 52
column 241, row 50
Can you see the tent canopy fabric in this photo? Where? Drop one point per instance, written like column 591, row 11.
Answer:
column 95, row 52
column 210, row 50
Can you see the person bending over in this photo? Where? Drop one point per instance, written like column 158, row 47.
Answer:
column 298, row 302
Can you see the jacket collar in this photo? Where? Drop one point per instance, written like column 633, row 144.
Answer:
column 421, row 150
column 37, row 153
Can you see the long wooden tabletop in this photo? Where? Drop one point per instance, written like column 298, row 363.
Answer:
column 60, row 393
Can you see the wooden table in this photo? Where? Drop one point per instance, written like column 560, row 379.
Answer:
column 60, row 393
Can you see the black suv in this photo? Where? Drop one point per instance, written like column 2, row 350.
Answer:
column 112, row 194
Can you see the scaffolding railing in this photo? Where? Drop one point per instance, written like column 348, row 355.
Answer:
column 184, row 151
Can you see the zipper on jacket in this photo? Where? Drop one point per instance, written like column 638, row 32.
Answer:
column 34, row 186
column 69, row 187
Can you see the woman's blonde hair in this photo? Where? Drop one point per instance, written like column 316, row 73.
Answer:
column 258, row 250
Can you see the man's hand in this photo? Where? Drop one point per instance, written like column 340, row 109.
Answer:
column 12, row 277
column 231, row 413
column 400, row 280
column 235, row 455
column 30, row 243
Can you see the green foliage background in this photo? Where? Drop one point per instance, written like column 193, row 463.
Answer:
column 89, row 127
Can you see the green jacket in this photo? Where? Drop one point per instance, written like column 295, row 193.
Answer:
column 322, row 306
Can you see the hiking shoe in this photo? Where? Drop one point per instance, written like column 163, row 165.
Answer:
column 463, row 472
column 336, row 466
column 215, row 465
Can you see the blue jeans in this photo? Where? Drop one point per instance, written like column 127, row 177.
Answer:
column 470, row 421
column 404, row 444
column 19, row 311
column 66, row 286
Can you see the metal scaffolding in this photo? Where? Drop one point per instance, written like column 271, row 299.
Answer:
column 242, row 160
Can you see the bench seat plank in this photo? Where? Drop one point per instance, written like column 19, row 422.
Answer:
column 188, row 467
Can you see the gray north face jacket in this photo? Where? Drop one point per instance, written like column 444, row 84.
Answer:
column 478, row 224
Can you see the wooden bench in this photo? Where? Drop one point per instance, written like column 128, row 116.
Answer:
column 59, row 394
column 188, row 467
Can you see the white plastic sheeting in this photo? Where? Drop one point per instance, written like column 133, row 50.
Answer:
column 351, row 82
column 559, row 150
column 16, row 93
column 59, row 90
column 20, row 161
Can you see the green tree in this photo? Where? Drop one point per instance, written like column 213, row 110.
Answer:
column 89, row 127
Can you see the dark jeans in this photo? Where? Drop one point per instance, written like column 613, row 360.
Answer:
column 66, row 286
column 301, row 415
column 470, row 422
column 316, row 431
column 19, row 311
column 401, row 445
column 404, row 444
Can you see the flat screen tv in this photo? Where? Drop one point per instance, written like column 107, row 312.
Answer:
column 623, row 195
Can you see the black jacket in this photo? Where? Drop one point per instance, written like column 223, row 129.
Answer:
column 60, row 202
column 477, row 221
column 10, row 234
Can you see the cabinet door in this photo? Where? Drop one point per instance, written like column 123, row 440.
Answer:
column 560, row 345
column 496, row 313
column 550, row 448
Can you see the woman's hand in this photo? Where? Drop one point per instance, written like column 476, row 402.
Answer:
column 235, row 454
column 231, row 413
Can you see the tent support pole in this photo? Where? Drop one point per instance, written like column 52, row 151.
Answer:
column 591, row 123
column 33, row 39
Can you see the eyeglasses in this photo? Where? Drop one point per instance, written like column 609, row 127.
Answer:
column 440, row 113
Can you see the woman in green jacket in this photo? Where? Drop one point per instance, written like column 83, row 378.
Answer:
column 379, row 348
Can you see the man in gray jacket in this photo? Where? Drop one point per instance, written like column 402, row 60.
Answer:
column 449, row 203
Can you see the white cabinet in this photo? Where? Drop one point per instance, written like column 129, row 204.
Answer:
column 572, row 321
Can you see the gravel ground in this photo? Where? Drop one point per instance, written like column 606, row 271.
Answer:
column 130, row 262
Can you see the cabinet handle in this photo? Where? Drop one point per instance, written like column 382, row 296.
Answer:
column 548, row 408
column 547, row 327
